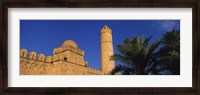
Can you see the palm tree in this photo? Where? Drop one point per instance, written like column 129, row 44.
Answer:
column 137, row 56
column 170, row 51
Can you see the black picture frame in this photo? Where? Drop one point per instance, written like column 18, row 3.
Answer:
column 194, row 4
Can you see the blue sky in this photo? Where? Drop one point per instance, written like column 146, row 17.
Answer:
column 42, row 36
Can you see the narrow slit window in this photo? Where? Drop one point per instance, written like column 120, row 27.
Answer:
column 65, row 59
column 23, row 54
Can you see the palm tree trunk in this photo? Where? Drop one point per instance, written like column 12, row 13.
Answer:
column 140, row 70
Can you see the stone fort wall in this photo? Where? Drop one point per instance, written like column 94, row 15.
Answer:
column 66, row 60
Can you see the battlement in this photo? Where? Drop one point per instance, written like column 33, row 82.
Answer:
column 94, row 71
column 39, row 64
column 32, row 63
column 33, row 56
column 106, row 29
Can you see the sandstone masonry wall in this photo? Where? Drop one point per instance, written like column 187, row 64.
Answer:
column 66, row 60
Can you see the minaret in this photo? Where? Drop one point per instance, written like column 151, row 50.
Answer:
column 106, row 50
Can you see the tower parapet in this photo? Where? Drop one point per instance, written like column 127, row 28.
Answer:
column 69, row 46
column 70, row 52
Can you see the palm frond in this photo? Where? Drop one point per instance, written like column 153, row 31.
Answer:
column 152, row 49
column 121, row 58
column 145, row 43
column 123, row 69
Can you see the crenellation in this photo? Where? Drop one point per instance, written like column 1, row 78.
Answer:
column 49, row 59
column 32, row 55
column 23, row 53
column 41, row 57
column 94, row 71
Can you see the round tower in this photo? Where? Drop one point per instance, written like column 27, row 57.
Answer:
column 107, row 65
